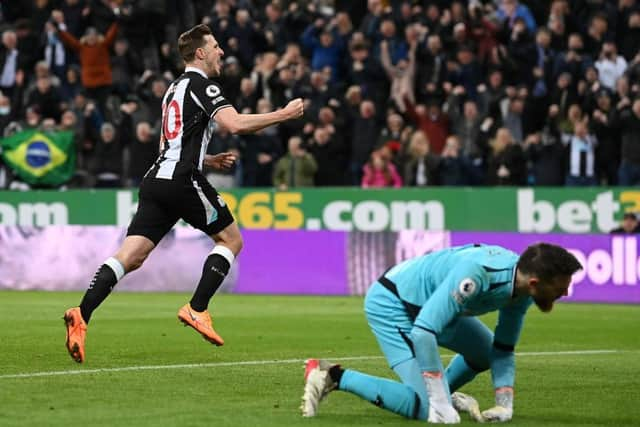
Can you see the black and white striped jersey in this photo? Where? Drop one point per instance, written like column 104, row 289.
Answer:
column 188, row 108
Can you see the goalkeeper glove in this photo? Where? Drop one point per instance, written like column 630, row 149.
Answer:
column 503, row 411
column 440, row 409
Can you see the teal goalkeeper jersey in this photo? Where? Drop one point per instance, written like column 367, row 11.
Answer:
column 463, row 281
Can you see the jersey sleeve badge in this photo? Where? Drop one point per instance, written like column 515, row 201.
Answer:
column 212, row 91
column 464, row 290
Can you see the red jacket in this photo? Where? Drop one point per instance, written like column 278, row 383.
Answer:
column 94, row 60
column 437, row 130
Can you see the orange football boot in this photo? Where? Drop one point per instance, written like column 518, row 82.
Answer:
column 76, row 333
column 201, row 322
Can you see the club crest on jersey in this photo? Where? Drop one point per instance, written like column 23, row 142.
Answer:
column 465, row 289
column 212, row 91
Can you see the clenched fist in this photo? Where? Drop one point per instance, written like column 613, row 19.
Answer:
column 294, row 109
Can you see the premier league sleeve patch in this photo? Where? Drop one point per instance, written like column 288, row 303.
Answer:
column 464, row 290
column 212, row 91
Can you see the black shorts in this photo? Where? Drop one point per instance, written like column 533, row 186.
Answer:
column 162, row 202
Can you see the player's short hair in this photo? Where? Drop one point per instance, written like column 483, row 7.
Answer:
column 191, row 40
column 547, row 261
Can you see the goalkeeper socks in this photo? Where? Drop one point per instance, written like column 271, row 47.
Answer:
column 103, row 282
column 214, row 271
column 458, row 373
column 390, row 395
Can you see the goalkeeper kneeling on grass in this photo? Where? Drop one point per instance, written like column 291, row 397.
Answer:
column 431, row 301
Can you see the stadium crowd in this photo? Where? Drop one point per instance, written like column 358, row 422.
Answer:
column 397, row 93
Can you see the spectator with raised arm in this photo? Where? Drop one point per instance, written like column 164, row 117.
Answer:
column 402, row 74
column 93, row 51
column 510, row 10
column 325, row 45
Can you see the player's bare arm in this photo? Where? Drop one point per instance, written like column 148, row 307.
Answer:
column 248, row 123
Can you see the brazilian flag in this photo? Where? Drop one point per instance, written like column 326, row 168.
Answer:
column 40, row 158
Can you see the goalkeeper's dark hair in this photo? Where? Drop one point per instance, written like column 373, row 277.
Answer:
column 191, row 40
column 547, row 261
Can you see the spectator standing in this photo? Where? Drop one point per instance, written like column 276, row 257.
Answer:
column 275, row 32
column 326, row 47
column 454, row 166
column 108, row 160
column 245, row 35
column 124, row 65
column 611, row 66
column 10, row 62
column 506, row 165
column 143, row 144
column 380, row 172
column 262, row 149
column 54, row 53
column 46, row 97
column 420, row 166
column 608, row 148
column 582, row 155
column 364, row 135
column 402, row 74
column 521, row 50
column 510, row 10
column 392, row 134
column 247, row 98
column 465, row 71
column 431, row 68
column 152, row 99
column 546, row 153
column 364, row 71
column 70, row 85
column 328, row 150
column 432, row 121
column 597, row 33
column 93, row 50
column 629, row 46
column 628, row 123
column 296, row 168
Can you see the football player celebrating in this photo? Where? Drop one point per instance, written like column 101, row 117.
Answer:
column 174, row 187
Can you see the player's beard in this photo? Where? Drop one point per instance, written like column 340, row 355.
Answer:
column 543, row 304
column 215, row 68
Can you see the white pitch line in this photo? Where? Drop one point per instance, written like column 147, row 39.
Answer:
column 260, row 362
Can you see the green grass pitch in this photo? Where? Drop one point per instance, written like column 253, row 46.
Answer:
column 141, row 330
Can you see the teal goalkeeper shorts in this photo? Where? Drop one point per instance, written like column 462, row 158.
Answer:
column 391, row 324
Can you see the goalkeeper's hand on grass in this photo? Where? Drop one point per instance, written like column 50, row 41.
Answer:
column 440, row 409
column 503, row 411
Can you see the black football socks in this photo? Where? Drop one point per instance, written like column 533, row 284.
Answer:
column 214, row 271
column 103, row 282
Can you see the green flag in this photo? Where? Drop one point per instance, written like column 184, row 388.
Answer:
column 40, row 158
